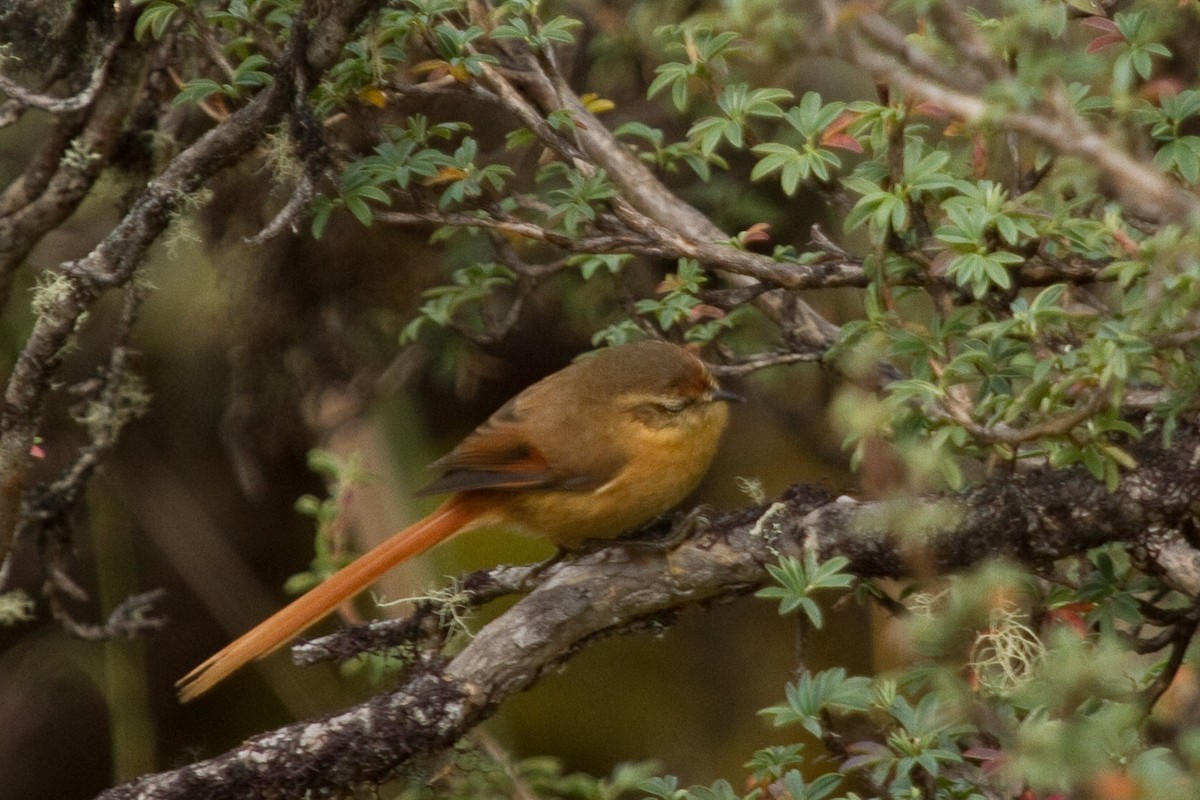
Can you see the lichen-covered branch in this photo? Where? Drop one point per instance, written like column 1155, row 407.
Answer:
column 1033, row 518
column 113, row 261
column 56, row 182
column 879, row 47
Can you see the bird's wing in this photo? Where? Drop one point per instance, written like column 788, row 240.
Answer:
column 505, row 453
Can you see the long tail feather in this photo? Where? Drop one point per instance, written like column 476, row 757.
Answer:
column 319, row 602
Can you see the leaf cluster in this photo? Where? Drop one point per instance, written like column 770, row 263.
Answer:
column 1072, row 715
column 1013, row 310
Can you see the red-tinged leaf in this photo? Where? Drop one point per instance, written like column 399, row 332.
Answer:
column 1127, row 244
column 1114, row 785
column 844, row 120
column 1101, row 24
column 989, row 758
column 1101, row 42
column 1030, row 794
column 752, row 784
column 1080, row 607
column 930, row 109
column 857, row 762
column 835, row 136
column 1153, row 91
column 843, row 141
column 955, row 128
column 1180, row 697
column 445, row 175
column 869, row 753
column 758, row 233
column 704, row 311
column 37, row 452
column 1072, row 616
column 867, row 746
column 941, row 263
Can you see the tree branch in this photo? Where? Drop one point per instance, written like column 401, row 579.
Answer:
column 1053, row 123
column 56, row 182
column 62, row 105
column 1032, row 518
column 112, row 263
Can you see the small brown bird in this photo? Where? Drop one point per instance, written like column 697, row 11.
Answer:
column 585, row 453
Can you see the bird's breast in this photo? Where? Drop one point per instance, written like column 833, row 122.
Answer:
column 661, row 467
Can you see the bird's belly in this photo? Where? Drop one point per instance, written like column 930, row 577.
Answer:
column 641, row 491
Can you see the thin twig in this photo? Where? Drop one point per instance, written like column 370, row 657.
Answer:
column 289, row 216
column 1002, row 433
column 62, row 105
column 1145, row 188
column 763, row 361
column 130, row 618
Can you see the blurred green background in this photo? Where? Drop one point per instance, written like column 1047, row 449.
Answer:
column 254, row 355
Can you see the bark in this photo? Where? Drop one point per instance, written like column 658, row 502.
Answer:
column 1033, row 518
column 112, row 263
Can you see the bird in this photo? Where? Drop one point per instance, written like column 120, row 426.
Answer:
column 586, row 453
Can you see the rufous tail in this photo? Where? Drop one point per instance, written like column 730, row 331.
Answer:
column 449, row 518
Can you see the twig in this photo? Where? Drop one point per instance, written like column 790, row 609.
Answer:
column 113, row 261
column 1180, row 641
column 288, row 216
column 50, row 504
column 23, row 97
column 131, row 617
column 1034, row 518
column 1143, row 187
column 764, row 360
column 1002, row 433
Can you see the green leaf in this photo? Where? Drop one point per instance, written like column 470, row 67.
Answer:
column 359, row 208
column 675, row 76
column 815, row 693
column 798, row 579
column 664, row 788
column 1181, row 156
column 811, row 117
column 154, row 18
column 322, row 210
column 770, row 763
column 589, row 264
column 249, row 72
column 197, row 90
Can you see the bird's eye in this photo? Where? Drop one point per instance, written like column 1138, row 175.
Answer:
column 673, row 405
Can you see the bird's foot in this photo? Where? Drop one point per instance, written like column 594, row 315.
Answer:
column 667, row 531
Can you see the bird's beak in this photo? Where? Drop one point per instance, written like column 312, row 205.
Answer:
column 729, row 397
